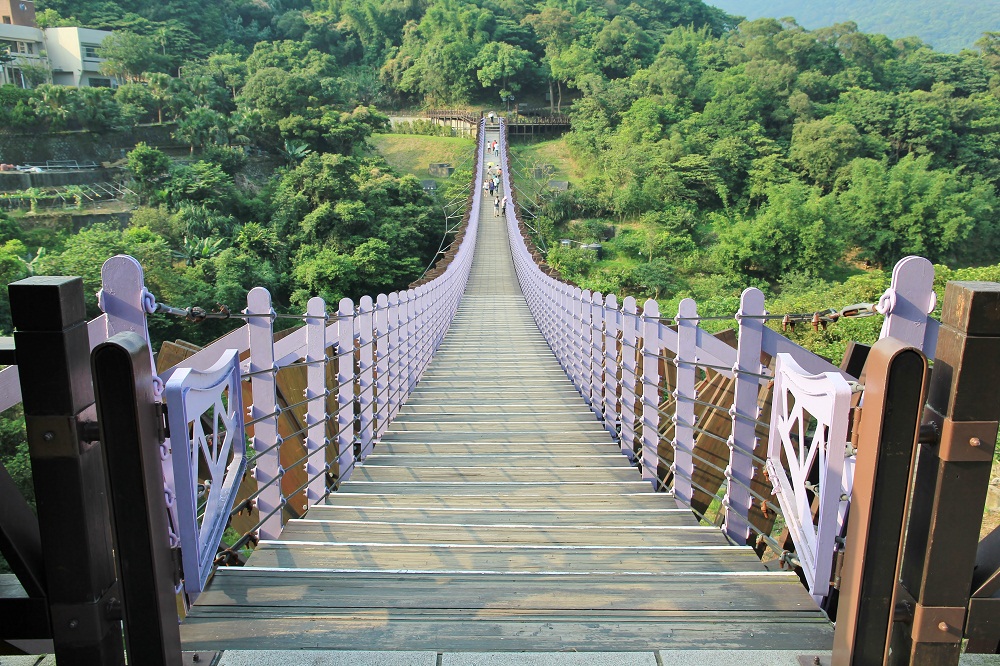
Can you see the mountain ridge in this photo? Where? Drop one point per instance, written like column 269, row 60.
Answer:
column 947, row 25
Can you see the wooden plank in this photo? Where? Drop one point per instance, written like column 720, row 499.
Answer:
column 497, row 449
column 529, row 458
column 443, row 474
column 539, row 427
column 533, row 516
column 588, row 535
column 297, row 590
column 624, row 503
column 10, row 587
column 356, row 632
column 485, row 414
column 436, row 558
column 543, row 492
column 526, row 435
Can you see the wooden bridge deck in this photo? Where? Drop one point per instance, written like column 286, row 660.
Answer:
column 497, row 514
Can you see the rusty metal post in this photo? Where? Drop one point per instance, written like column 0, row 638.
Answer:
column 890, row 420
column 949, row 489
column 53, row 355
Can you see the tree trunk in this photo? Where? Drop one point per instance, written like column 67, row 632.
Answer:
column 552, row 99
column 559, row 85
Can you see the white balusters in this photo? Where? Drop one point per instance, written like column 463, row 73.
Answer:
column 263, row 413
column 809, row 415
column 382, row 388
column 650, row 389
column 739, row 472
column 630, row 351
column 316, row 394
column 685, row 360
column 366, row 375
column 393, row 354
column 612, row 326
column 595, row 380
column 345, row 391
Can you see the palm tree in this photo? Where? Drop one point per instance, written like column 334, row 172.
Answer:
column 195, row 249
column 199, row 127
column 295, row 150
column 159, row 89
column 53, row 103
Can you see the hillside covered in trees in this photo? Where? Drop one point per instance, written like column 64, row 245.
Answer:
column 710, row 154
column 949, row 25
column 714, row 153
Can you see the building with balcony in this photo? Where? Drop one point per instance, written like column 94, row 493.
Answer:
column 73, row 58
column 65, row 56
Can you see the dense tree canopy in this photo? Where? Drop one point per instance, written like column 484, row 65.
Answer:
column 724, row 152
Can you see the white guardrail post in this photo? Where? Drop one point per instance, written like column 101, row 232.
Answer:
column 650, row 389
column 263, row 412
column 345, row 390
column 366, row 375
column 316, row 417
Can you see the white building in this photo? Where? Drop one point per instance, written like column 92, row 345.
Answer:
column 73, row 57
column 66, row 56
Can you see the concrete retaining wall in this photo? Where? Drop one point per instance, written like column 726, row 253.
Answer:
column 12, row 181
column 83, row 146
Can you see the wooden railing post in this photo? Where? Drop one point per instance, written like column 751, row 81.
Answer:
column 888, row 431
column 53, row 355
column 952, row 477
column 131, row 433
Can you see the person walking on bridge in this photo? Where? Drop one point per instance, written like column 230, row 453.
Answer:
column 496, row 206
column 503, row 205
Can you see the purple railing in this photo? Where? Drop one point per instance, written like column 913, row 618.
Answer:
column 361, row 361
column 617, row 357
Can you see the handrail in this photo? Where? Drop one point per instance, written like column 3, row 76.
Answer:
column 353, row 369
column 618, row 356
column 357, row 368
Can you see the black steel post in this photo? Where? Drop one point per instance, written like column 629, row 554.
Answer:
column 53, row 352
column 126, row 411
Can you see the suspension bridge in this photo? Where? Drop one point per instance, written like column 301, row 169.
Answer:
column 494, row 460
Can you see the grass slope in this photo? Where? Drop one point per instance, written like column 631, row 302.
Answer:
column 554, row 153
column 411, row 153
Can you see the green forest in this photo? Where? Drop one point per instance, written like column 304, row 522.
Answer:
column 709, row 153
column 706, row 154
column 948, row 25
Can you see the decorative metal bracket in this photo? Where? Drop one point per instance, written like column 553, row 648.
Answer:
column 205, row 411
column 793, row 447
